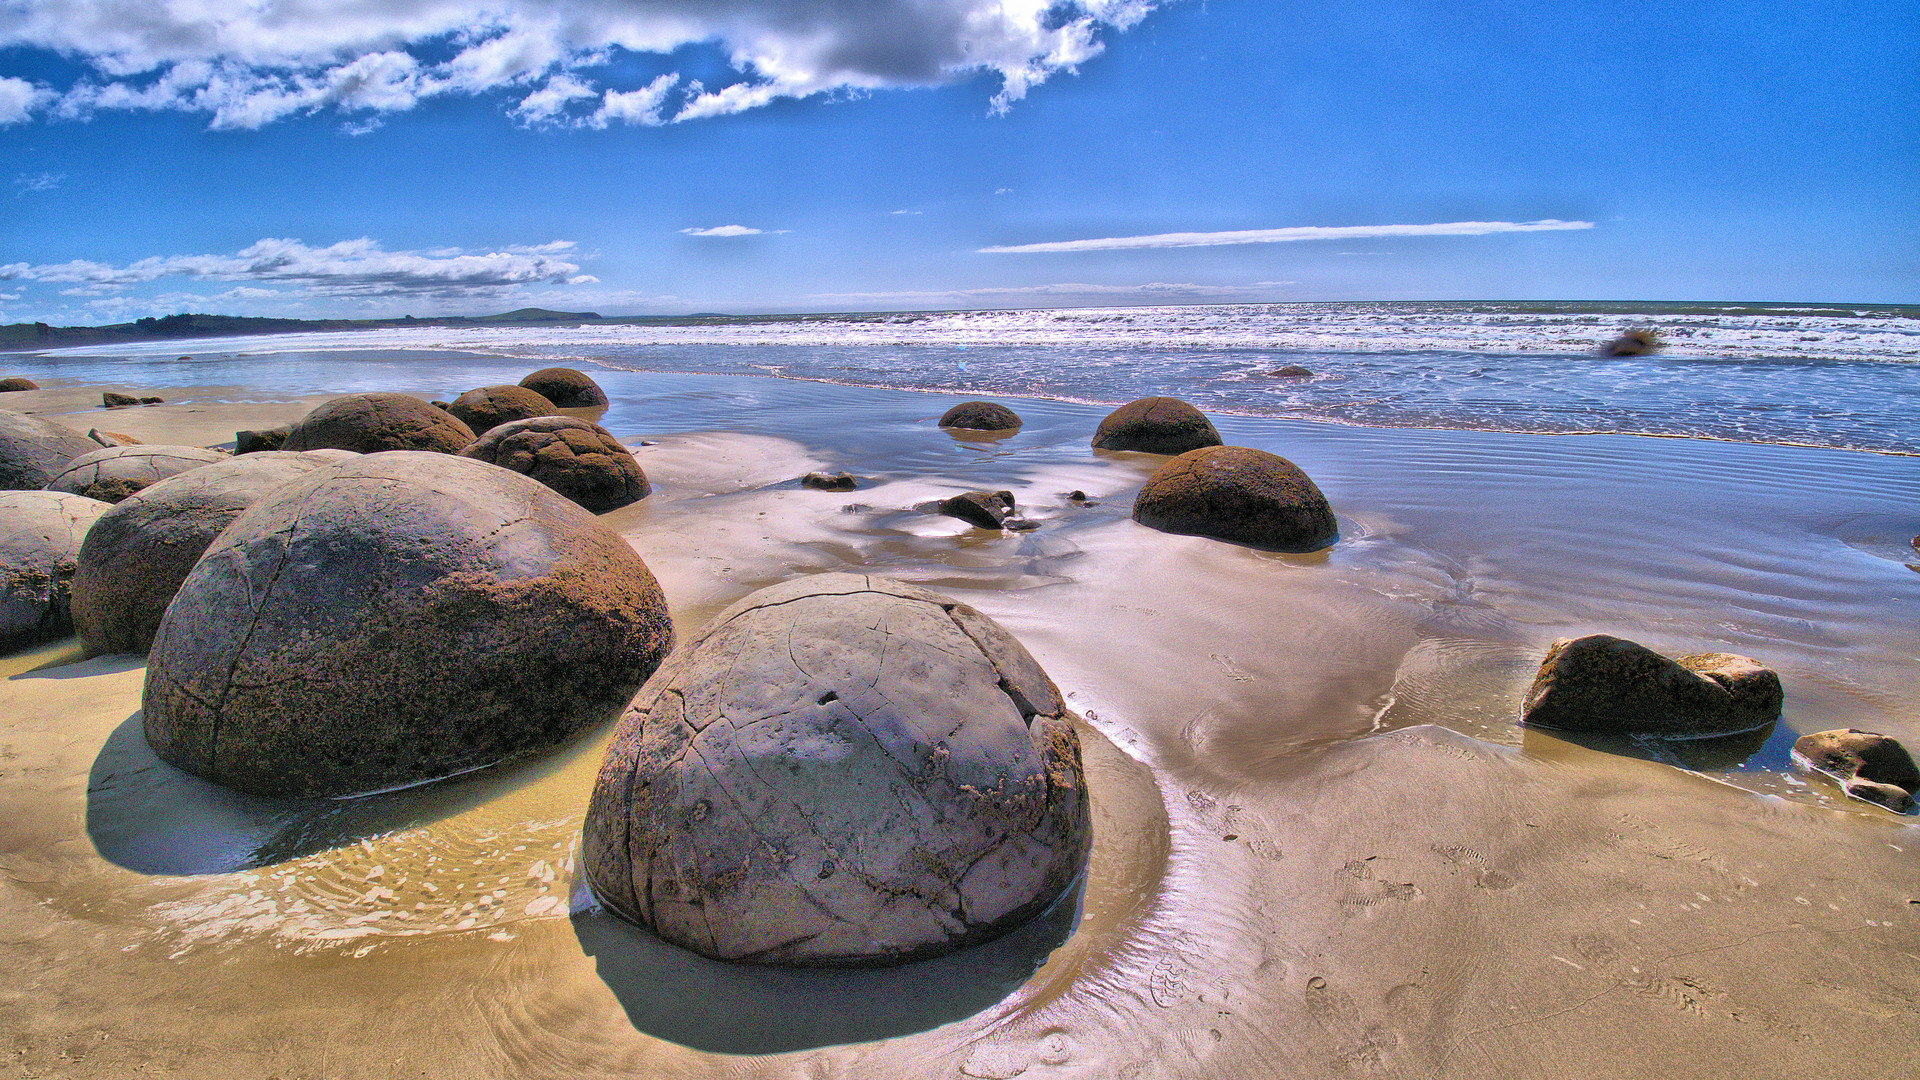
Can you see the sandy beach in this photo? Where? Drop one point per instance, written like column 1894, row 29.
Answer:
column 1323, row 845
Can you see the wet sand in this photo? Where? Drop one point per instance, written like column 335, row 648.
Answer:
column 1323, row 847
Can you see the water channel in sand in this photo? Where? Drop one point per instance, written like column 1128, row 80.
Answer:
column 1322, row 845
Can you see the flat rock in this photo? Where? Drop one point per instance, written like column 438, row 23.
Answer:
column 840, row 770
column 1238, row 494
column 578, row 459
column 397, row 618
column 1155, row 425
column 490, row 406
column 111, row 438
column 1608, row 685
column 566, row 387
column 981, row 416
column 40, row 537
column 33, row 451
column 1865, row 764
column 370, row 423
column 112, row 473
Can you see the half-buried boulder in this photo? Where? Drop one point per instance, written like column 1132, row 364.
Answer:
column 40, row 536
column 393, row 619
column 981, row 416
column 11, row 385
column 261, row 441
column 1155, row 425
column 840, row 770
column 112, row 473
column 490, row 406
column 566, row 387
column 580, row 460
column 1865, row 764
column 1238, row 494
column 138, row 553
column 370, row 423
column 1600, row 684
column 33, row 450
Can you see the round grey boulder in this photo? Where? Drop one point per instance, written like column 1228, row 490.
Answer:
column 840, row 770
column 40, row 537
column 1604, row 685
column 580, row 460
column 112, row 473
column 370, row 423
column 490, row 406
column 1239, row 494
column 139, row 552
column 566, row 387
column 33, row 451
column 393, row 619
column 1155, row 425
column 981, row 416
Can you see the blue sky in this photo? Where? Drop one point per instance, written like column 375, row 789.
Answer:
column 320, row 158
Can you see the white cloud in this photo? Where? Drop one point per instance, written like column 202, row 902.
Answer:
column 1279, row 236
column 251, row 62
column 898, row 213
column 41, row 181
column 1155, row 292
column 726, row 230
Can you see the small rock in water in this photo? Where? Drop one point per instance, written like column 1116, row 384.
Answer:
column 1634, row 343
column 988, row 510
column 1237, row 494
column 113, row 400
column 829, row 481
column 1867, row 765
column 1291, row 371
column 1602, row 684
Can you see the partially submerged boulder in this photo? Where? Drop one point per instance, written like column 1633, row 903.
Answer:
column 1866, row 765
column 1642, row 342
column 1607, row 685
column 580, row 460
column 566, row 387
column 1155, row 425
column 33, row 450
column 11, row 385
column 1239, row 494
column 397, row 618
column 840, row 770
column 490, row 406
column 1291, row 371
column 138, row 553
column 40, row 536
column 981, row 416
column 986, row 509
column 370, row 423
column 840, row 481
column 112, row 473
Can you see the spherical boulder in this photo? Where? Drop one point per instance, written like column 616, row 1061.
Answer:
column 566, row 387
column 33, row 450
column 580, row 460
column 40, row 535
column 397, row 618
column 840, row 770
column 1601, row 684
column 10, row 385
column 981, row 416
column 112, row 473
column 370, row 423
column 490, row 406
column 138, row 553
column 1238, row 494
column 1155, row 425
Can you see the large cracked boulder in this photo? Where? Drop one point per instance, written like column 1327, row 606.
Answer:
column 580, row 460
column 1866, row 764
column 393, row 619
column 1239, row 494
column 138, row 553
column 370, row 423
column 40, row 536
column 981, row 416
column 112, row 473
column 33, row 451
column 566, row 387
column 490, row 406
column 1155, row 425
column 1604, row 685
column 840, row 770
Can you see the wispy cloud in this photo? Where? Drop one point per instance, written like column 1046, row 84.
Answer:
column 1282, row 236
column 732, row 230
column 898, row 213
column 1156, row 292
column 41, row 181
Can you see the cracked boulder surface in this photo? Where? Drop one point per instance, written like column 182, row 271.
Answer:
column 1238, row 494
column 1866, row 764
column 490, row 406
column 580, row 460
column 1601, row 684
column 138, row 553
column 370, row 423
column 396, row 618
column 566, row 387
column 1155, row 425
column 981, row 416
column 112, row 473
column 33, row 451
column 840, row 770
column 40, row 537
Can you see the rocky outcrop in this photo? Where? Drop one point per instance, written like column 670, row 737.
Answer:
column 840, row 770
column 40, row 536
column 112, row 473
column 490, row 406
column 1238, row 494
column 1606, row 685
column 580, row 460
column 1155, row 425
column 981, row 416
column 566, row 387
column 1866, row 765
column 370, row 423
column 112, row 399
column 396, row 618
column 33, row 451
column 111, row 438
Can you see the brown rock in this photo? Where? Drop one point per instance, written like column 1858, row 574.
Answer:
column 111, row 400
column 566, row 387
column 153, row 401
column 842, row 481
column 1238, row 494
column 1608, row 685
column 111, row 438
column 580, row 460
column 981, row 416
column 1865, row 764
column 490, row 406
column 255, row 442
column 8, row 386
column 1155, row 425
column 988, row 510
column 1634, row 343
column 370, row 423
column 1291, row 371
